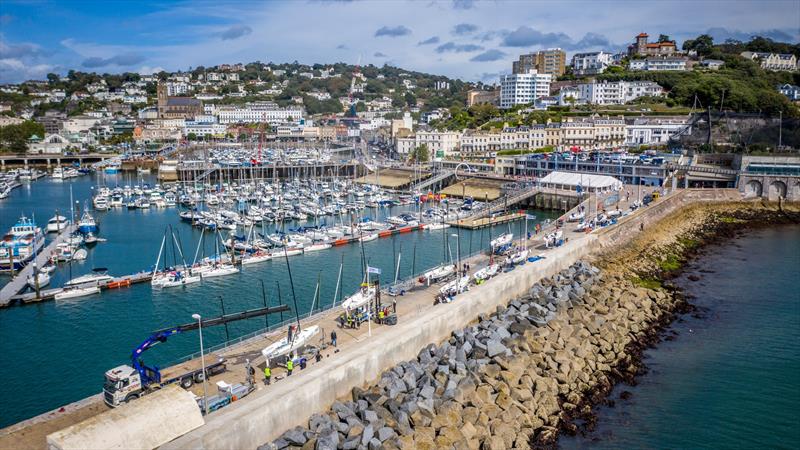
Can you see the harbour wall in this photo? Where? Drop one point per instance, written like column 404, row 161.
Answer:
column 290, row 403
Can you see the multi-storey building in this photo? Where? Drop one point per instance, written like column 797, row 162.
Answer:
column 618, row 92
column 651, row 64
column 523, row 88
column 592, row 63
column 441, row 144
column 773, row 61
column 550, row 61
column 256, row 112
column 652, row 131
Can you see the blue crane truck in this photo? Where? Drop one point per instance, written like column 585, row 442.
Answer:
column 128, row 382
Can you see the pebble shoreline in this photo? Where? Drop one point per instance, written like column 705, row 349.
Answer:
column 535, row 368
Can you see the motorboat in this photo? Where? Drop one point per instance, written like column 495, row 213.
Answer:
column 100, row 203
column 487, row 272
column 438, row 273
column 456, row 286
column 77, row 292
column 285, row 346
column 80, row 254
column 20, row 244
column 90, row 239
column 364, row 295
column 98, row 277
column 502, row 240
column 43, row 279
column 56, row 224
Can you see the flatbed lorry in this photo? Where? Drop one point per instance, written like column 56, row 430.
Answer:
column 128, row 382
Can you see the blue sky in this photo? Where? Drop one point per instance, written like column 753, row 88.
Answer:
column 468, row 39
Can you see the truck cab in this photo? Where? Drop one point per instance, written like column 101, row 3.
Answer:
column 123, row 384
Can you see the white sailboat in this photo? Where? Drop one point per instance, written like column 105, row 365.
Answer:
column 435, row 226
column 438, row 273
column 364, row 295
column 502, row 240
column 456, row 286
column 285, row 345
column 487, row 272
column 77, row 292
column 519, row 256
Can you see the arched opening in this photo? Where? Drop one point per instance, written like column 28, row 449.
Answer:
column 752, row 189
column 777, row 189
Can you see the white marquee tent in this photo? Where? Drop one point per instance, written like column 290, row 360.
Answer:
column 588, row 182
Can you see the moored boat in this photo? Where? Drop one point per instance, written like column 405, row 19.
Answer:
column 77, row 292
column 20, row 244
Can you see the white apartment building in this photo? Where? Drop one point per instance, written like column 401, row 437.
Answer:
column 617, row 92
column 523, row 88
column 177, row 88
column 592, row 63
column 647, row 131
column 441, row 85
column 651, row 64
column 204, row 128
column 259, row 112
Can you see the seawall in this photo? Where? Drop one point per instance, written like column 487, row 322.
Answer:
column 290, row 403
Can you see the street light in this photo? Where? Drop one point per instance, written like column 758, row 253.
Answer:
column 202, row 361
column 458, row 251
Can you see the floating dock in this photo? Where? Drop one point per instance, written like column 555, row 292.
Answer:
column 20, row 281
column 474, row 224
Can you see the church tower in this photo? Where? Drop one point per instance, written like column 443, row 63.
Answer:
column 161, row 89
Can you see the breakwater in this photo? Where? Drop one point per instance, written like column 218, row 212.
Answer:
column 510, row 380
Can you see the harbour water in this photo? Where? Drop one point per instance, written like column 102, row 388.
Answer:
column 729, row 378
column 56, row 352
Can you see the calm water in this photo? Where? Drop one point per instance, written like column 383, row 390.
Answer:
column 730, row 378
column 56, row 352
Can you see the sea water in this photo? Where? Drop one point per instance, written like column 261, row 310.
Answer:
column 731, row 377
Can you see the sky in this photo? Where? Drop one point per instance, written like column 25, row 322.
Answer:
column 474, row 40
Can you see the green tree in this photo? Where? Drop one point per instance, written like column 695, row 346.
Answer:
column 664, row 38
column 410, row 99
column 14, row 138
column 703, row 45
column 420, row 154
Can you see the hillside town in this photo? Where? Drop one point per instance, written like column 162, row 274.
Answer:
column 404, row 110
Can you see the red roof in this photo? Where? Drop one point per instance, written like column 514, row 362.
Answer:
column 642, row 35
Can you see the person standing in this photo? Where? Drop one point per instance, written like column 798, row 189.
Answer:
column 267, row 374
column 289, row 366
column 394, row 305
column 333, row 338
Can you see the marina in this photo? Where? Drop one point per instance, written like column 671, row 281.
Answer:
column 127, row 307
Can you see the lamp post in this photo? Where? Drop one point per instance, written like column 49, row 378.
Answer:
column 202, row 361
column 458, row 251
